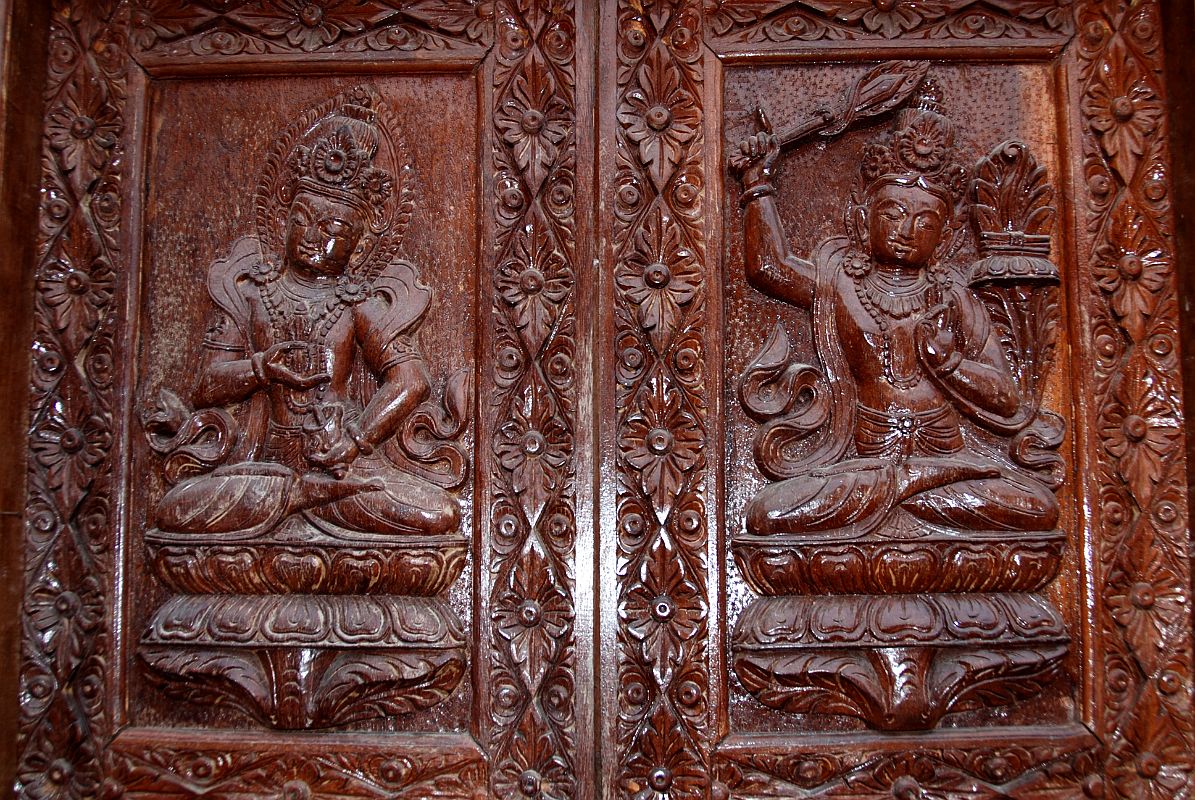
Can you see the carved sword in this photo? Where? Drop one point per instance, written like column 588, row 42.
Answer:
column 881, row 89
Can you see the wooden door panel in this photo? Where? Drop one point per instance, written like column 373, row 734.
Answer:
column 803, row 421
column 784, row 628
column 202, row 618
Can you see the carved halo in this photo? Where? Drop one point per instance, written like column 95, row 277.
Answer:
column 323, row 150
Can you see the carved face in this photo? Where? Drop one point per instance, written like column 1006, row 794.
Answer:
column 321, row 234
column 904, row 225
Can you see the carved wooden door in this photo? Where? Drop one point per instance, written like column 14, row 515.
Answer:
column 455, row 398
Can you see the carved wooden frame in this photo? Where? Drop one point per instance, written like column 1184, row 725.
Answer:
column 667, row 715
column 102, row 57
column 1142, row 718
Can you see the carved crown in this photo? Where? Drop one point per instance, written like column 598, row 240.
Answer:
column 347, row 149
column 336, row 159
column 920, row 150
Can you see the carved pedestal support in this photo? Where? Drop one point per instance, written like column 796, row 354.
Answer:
column 306, row 661
column 897, row 662
column 311, row 627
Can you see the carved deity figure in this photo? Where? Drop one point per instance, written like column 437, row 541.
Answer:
column 907, row 347
column 314, row 341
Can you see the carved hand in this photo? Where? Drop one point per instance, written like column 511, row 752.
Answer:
column 337, row 458
column 269, row 367
column 757, row 154
column 939, row 338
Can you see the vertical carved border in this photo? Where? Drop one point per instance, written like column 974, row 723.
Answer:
column 530, row 585
column 67, row 615
column 660, row 666
column 1128, row 296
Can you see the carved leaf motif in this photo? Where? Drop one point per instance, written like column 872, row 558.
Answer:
column 534, row 280
column 533, row 447
column 1012, row 192
column 534, row 119
column 1140, row 430
column 662, row 442
column 659, row 115
column 663, row 764
column 663, row 610
column 1123, row 108
column 1131, row 267
column 660, row 276
column 889, row 21
column 533, row 614
column 534, row 763
column 358, row 686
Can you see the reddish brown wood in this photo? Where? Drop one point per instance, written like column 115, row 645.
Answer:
column 24, row 27
column 805, row 419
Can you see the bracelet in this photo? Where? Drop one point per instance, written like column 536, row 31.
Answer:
column 358, row 437
column 756, row 192
column 950, row 365
column 258, row 362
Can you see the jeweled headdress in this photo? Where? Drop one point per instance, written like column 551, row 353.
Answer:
column 346, row 149
column 919, row 151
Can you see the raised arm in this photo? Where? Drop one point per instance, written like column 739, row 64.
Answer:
column 770, row 266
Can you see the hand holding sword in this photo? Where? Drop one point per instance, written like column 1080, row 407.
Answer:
column 881, row 89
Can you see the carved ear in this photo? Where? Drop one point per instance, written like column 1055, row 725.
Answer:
column 856, row 221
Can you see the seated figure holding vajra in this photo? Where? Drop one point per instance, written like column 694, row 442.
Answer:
column 909, row 350
column 314, row 341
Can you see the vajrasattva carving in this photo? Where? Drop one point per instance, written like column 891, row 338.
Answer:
column 309, row 514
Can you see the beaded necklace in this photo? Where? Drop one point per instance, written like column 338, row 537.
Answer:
column 884, row 300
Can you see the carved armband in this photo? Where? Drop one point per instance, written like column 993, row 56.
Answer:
column 764, row 189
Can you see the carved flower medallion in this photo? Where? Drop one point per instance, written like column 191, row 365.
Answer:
column 660, row 116
column 660, row 276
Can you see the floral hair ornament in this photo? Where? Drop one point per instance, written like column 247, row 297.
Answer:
column 919, row 151
column 346, row 149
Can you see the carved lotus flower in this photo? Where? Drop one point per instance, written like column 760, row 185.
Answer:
column 533, row 282
column 532, row 446
column 335, row 158
column 1123, row 108
column 83, row 129
column 659, row 115
column 663, row 609
column 308, row 24
column 63, row 616
column 1148, row 604
column 534, row 771
column 663, row 767
column 1131, row 269
column 74, row 296
column 659, row 276
column 922, row 144
column 889, row 18
column 1140, row 431
column 661, row 441
column 69, row 443
column 57, row 779
column 534, row 120
column 532, row 613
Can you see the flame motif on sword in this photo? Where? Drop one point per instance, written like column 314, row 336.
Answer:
column 883, row 88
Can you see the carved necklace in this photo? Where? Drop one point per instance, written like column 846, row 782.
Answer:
column 887, row 298
column 291, row 319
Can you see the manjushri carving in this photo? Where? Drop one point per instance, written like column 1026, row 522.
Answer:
column 310, row 525
column 912, row 513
